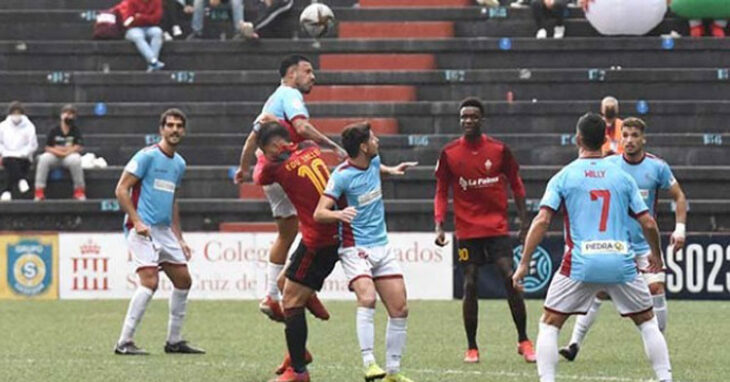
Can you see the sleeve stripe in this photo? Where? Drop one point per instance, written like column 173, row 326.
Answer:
column 548, row 208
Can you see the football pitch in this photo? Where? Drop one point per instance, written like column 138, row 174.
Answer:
column 73, row 341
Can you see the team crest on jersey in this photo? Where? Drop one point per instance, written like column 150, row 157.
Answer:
column 30, row 268
column 488, row 165
column 540, row 270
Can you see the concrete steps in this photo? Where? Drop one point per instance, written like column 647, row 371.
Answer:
column 421, row 118
column 207, row 215
column 698, row 182
column 461, row 53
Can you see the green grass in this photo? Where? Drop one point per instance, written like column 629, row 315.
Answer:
column 73, row 341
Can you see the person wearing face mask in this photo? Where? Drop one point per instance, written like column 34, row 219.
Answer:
column 63, row 147
column 18, row 142
column 609, row 111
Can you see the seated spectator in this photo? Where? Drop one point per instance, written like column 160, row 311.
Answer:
column 697, row 28
column 18, row 142
column 270, row 11
column 542, row 10
column 244, row 30
column 142, row 20
column 609, row 111
column 173, row 11
column 63, row 147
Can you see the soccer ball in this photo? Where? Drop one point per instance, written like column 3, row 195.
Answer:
column 317, row 19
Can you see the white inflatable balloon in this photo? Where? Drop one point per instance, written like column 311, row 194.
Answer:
column 625, row 17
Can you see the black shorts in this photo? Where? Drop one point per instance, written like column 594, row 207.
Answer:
column 310, row 267
column 484, row 250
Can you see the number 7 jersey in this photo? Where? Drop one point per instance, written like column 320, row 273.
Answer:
column 598, row 200
column 303, row 175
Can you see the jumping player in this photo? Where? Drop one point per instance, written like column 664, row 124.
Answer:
column 154, row 237
column 287, row 105
column 302, row 175
column 478, row 169
column 368, row 264
column 651, row 174
column 599, row 200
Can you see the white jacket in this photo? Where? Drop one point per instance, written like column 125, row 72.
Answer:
column 17, row 141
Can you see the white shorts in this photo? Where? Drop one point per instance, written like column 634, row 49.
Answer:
column 642, row 261
column 161, row 247
column 568, row 296
column 373, row 262
column 281, row 206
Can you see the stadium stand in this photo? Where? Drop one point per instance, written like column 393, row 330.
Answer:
column 405, row 72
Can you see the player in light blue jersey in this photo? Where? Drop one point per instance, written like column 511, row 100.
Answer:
column 154, row 237
column 651, row 174
column 598, row 200
column 286, row 106
column 368, row 264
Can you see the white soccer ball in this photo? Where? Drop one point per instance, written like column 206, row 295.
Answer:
column 317, row 19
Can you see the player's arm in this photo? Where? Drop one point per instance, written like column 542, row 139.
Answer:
column 126, row 182
column 305, row 128
column 177, row 230
column 249, row 149
column 399, row 169
column 441, row 198
column 651, row 233
column 511, row 170
column 538, row 228
column 680, row 216
column 325, row 214
column 247, row 155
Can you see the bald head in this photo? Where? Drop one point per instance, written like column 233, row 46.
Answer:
column 609, row 108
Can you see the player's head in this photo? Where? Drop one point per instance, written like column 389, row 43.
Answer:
column 172, row 126
column 591, row 132
column 632, row 136
column 609, row 108
column 471, row 112
column 358, row 139
column 272, row 138
column 297, row 71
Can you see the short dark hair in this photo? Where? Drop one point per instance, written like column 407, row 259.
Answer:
column 270, row 130
column 68, row 108
column 16, row 106
column 173, row 113
column 472, row 102
column 635, row 122
column 353, row 136
column 592, row 130
column 290, row 61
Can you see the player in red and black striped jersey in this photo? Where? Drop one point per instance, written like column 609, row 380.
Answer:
column 478, row 168
column 303, row 175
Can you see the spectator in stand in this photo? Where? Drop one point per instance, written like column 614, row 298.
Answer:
column 269, row 12
column 609, row 111
column 697, row 29
column 542, row 10
column 244, row 30
column 63, row 148
column 173, row 11
column 142, row 20
column 18, row 142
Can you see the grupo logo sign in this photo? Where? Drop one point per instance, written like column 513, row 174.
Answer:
column 30, row 266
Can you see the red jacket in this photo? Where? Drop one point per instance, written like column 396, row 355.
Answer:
column 146, row 13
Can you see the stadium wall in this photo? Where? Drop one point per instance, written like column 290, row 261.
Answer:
column 699, row 272
column 233, row 266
